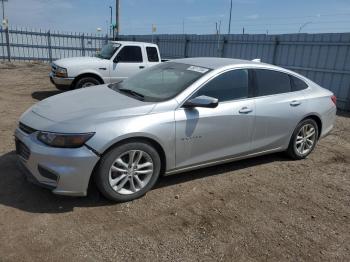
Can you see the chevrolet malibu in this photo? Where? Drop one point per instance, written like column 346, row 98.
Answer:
column 173, row 117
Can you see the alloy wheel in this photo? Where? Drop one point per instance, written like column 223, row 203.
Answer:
column 131, row 172
column 305, row 140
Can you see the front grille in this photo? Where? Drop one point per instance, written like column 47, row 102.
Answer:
column 53, row 69
column 26, row 129
column 22, row 150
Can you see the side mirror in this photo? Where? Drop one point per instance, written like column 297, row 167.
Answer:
column 201, row 101
column 115, row 60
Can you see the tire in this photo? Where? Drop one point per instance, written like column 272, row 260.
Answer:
column 86, row 82
column 123, row 186
column 302, row 137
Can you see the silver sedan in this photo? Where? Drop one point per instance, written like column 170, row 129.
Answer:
column 176, row 116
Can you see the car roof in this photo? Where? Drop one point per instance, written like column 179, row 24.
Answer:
column 132, row 43
column 214, row 62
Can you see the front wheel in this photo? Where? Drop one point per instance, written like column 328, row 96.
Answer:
column 128, row 171
column 304, row 139
column 87, row 82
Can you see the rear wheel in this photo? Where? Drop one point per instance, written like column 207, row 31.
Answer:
column 128, row 171
column 304, row 139
column 87, row 82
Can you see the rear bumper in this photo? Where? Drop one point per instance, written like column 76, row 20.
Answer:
column 60, row 82
column 65, row 171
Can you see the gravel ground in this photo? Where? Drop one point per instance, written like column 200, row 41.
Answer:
column 266, row 208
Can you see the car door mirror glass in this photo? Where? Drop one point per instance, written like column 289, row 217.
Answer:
column 201, row 101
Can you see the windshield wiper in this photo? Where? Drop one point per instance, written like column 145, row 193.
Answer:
column 132, row 92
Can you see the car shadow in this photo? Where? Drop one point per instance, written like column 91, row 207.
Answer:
column 41, row 95
column 17, row 192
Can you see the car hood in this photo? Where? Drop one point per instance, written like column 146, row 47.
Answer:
column 79, row 61
column 85, row 108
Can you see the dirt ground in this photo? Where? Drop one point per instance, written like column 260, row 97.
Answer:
column 266, row 208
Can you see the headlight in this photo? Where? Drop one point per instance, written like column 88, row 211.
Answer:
column 64, row 140
column 61, row 72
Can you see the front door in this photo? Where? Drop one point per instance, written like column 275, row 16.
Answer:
column 127, row 62
column 210, row 134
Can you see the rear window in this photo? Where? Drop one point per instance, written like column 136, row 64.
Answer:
column 269, row 82
column 152, row 54
column 130, row 54
column 297, row 84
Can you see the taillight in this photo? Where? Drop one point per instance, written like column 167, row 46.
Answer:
column 334, row 100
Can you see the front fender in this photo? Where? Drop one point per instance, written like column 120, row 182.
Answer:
column 159, row 128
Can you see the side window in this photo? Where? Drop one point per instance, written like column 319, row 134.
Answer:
column 130, row 54
column 269, row 82
column 297, row 84
column 152, row 54
column 227, row 86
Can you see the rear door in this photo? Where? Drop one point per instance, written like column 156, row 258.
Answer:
column 128, row 61
column 279, row 108
column 209, row 134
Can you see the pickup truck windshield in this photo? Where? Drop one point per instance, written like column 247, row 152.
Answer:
column 108, row 51
column 160, row 82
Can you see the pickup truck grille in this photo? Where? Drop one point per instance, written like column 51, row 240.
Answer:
column 53, row 69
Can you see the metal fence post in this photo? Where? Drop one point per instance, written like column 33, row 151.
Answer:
column 82, row 45
column 7, row 36
column 274, row 54
column 186, row 46
column 49, row 45
column 224, row 42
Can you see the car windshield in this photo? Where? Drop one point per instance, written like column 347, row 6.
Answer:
column 160, row 82
column 108, row 50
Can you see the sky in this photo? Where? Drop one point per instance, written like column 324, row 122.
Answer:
column 182, row 16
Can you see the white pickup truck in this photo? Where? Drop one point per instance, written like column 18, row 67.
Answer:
column 117, row 60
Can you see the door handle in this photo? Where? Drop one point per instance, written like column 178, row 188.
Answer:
column 295, row 103
column 141, row 67
column 245, row 110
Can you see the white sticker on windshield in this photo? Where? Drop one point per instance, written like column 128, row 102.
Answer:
column 198, row 69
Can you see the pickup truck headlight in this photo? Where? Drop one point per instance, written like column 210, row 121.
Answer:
column 64, row 140
column 61, row 72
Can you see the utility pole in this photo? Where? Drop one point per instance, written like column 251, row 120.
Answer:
column 183, row 26
column 218, row 32
column 117, row 17
column 229, row 23
column 3, row 8
column 111, row 22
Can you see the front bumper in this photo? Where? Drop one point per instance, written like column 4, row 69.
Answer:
column 65, row 171
column 61, row 81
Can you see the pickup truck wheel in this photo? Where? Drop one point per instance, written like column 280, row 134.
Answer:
column 128, row 171
column 86, row 82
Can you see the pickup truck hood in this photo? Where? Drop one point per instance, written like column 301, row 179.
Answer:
column 84, row 108
column 79, row 61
